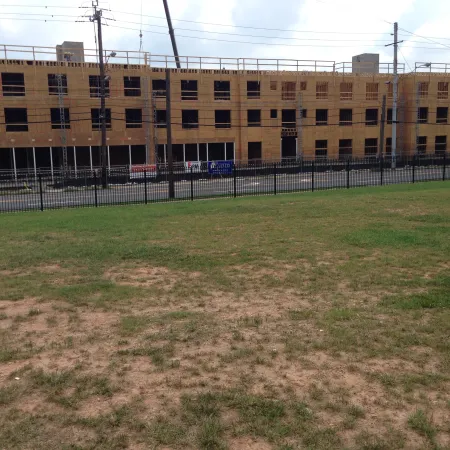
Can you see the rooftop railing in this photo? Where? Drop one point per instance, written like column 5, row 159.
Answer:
column 75, row 56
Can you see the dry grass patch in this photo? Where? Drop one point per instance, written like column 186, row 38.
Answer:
column 287, row 324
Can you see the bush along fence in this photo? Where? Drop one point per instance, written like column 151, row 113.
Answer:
column 44, row 189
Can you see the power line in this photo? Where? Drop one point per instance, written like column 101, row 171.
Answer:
column 209, row 32
column 261, row 43
column 248, row 27
column 403, row 56
column 232, row 126
column 199, row 22
column 237, row 41
column 45, row 6
column 424, row 37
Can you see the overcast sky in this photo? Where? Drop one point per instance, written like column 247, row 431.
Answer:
column 319, row 27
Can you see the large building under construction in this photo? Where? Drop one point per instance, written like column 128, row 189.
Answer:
column 221, row 109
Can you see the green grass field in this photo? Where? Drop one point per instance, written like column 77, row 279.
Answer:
column 308, row 321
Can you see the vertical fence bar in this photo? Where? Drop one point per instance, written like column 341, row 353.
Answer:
column 95, row 189
column 444, row 167
column 145, row 187
column 51, row 163
column 313, row 169
column 234, row 181
column 381, row 171
column 41, row 194
column 414, row 169
column 75, row 160
column 348, row 174
column 275, row 179
column 34, row 163
column 192, row 184
column 14, row 163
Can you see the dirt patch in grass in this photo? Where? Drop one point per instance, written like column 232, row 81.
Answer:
column 160, row 277
column 247, row 443
column 19, row 307
column 223, row 343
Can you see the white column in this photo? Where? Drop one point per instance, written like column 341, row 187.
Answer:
column 75, row 159
column 129, row 154
column 90, row 157
column 51, row 162
column 207, row 152
column 14, row 163
column 165, row 153
column 296, row 146
column 198, row 152
column 34, row 162
column 109, row 162
column 184, row 152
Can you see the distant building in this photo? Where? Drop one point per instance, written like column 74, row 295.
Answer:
column 70, row 51
column 253, row 110
column 366, row 63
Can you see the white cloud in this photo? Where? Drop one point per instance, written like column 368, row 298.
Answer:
column 343, row 16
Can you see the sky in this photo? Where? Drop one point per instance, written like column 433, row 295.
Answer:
column 329, row 30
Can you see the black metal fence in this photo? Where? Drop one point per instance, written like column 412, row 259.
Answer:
column 23, row 191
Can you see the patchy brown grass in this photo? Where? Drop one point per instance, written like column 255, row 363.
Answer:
column 308, row 350
column 264, row 344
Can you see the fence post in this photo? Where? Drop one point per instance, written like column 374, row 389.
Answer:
column 444, row 167
column 234, row 180
column 348, row 173
column 275, row 179
column 313, row 169
column 41, row 194
column 192, row 184
column 381, row 170
column 95, row 188
column 414, row 169
column 145, row 187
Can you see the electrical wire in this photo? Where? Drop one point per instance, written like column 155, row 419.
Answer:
column 238, row 41
column 198, row 22
column 249, row 27
column 45, row 6
column 263, row 43
column 426, row 38
column 403, row 56
column 430, row 39
column 233, row 126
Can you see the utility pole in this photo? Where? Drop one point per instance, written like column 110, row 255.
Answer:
column 97, row 17
column 395, row 96
column 169, row 136
column 172, row 35
column 382, row 124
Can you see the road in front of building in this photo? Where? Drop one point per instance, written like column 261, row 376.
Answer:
column 209, row 188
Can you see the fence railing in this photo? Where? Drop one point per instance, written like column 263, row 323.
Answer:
column 45, row 190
